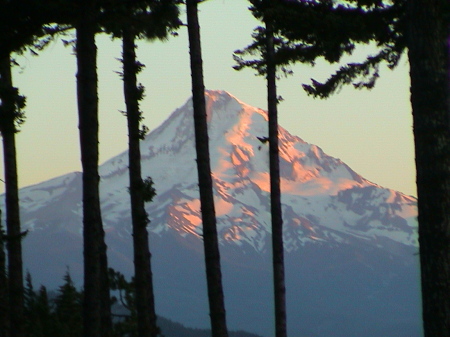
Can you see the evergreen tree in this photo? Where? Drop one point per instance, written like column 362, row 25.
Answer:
column 86, row 17
column 45, row 320
column 31, row 325
column 210, row 239
column 96, row 304
column 310, row 29
column 23, row 21
column 39, row 321
column 61, row 316
column 265, row 46
column 20, row 24
column 10, row 115
column 145, row 301
column 428, row 31
column 21, row 27
column 150, row 20
column 275, row 192
column 141, row 191
column 29, row 295
column 68, row 309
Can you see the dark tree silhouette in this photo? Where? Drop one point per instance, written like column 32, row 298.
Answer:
column 96, row 304
column 44, row 326
column 67, row 311
column 265, row 47
column 150, row 20
column 24, row 23
column 11, row 114
column 21, row 27
column 309, row 29
column 39, row 320
column 4, row 317
column 428, row 53
column 275, row 191
column 210, row 240
column 267, row 66
column 145, row 301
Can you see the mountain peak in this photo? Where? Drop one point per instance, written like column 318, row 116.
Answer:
column 220, row 96
column 342, row 234
column 320, row 194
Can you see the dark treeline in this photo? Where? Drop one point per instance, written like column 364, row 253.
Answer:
column 292, row 31
column 58, row 313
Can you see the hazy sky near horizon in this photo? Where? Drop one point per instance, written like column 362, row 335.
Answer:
column 371, row 131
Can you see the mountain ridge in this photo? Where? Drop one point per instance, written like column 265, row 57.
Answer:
column 338, row 227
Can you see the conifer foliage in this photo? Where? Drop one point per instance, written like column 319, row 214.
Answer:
column 20, row 28
column 150, row 20
column 292, row 31
column 307, row 30
column 68, row 304
column 265, row 46
column 310, row 29
column 11, row 115
column 59, row 314
column 275, row 190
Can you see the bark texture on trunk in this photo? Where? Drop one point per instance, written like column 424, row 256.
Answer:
column 210, row 240
column 145, row 302
column 275, row 192
column 14, row 235
column 96, row 305
column 428, row 56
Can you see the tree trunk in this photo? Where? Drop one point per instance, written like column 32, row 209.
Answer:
column 145, row 302
column 275, row 193
column 210, row 240
column 429, row 65
column 14, row 235
column 96, row 305
column 4, row 316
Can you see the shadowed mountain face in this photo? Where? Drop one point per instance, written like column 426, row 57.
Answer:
column 351, row 245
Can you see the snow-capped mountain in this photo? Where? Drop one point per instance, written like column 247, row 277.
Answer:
column 351, row 265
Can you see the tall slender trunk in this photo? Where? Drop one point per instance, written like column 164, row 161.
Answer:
column 429, row 65
column 96, row 305
column 275, row 193
column 145, row 302
column 14, row 235
column 4, row 316
column 210, row 240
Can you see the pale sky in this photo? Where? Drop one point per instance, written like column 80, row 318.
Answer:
column 371, row 131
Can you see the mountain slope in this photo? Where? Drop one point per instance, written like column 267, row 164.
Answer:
column 351, row 244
